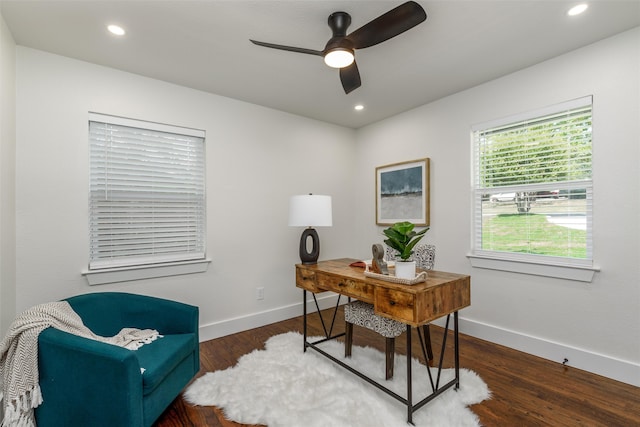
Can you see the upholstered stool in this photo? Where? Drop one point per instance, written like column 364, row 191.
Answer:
column 362, row 314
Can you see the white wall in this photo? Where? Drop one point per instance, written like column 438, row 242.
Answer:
column 256, row 159
column 595, row 325
column 7, row 178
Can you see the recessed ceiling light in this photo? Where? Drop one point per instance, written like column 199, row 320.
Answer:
column 359, row 107
column 116, row 29
column 578, row 9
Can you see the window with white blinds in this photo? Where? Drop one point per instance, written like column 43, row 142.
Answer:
column 147, row 195
column 532, row 186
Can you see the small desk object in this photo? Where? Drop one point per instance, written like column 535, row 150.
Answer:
column 442, row 294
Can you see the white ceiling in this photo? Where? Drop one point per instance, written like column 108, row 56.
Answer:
column 205, row 45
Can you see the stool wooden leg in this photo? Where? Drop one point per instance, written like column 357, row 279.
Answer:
column 427, row 338
column 348, row 338
column 390, row 352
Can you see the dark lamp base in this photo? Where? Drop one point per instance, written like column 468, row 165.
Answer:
column 305, row 256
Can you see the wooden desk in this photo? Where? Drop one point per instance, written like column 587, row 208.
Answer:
column 416, row 305
column 442, row 294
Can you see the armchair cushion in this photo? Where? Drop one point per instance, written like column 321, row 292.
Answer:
column 160, row 357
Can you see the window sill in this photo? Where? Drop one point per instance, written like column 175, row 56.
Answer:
column 577, row 273
column 125, row 274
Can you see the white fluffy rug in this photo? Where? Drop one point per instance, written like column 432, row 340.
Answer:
column 284, row 387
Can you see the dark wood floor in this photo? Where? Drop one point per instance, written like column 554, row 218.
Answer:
column 527, row 390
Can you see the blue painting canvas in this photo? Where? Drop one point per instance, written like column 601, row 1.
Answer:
column 402, row 193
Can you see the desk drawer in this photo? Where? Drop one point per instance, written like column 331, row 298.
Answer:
column 348, row 287
column 395, row 304
column 306, row 279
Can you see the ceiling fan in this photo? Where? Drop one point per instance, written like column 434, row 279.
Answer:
column 339, row 50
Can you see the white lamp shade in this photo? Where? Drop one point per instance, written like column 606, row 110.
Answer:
column 310, row 210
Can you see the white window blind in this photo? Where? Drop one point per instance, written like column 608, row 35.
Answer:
column 147, row 198
column 532, row 185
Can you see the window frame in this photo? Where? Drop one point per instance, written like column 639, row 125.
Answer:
column 551, row 266
column 106, row 272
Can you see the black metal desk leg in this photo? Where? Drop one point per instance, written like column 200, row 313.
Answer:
column 457, row 348
column 409, row 386
column 304, row 320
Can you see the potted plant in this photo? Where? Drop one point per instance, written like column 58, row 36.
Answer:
column 403, row 238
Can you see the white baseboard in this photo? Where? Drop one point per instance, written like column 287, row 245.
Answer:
column 607, row 366
column 255, row 320
column 619, row 370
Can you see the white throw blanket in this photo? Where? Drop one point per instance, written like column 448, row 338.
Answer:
column 19, row 355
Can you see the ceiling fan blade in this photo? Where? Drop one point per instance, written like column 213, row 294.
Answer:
column 391, row 24
column 350, row 77
column 288, row 48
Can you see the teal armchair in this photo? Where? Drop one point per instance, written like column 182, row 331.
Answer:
column 89, row 383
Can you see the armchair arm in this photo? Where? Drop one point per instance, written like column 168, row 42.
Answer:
column 87, row 382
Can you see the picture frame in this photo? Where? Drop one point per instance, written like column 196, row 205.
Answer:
column 402, row 193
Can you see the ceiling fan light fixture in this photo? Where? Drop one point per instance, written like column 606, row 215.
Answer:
column 339, row 58
column 339, row 50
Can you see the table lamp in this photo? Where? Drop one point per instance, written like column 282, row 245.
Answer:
column 310, row 211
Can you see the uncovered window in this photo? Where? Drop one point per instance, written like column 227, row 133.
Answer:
column 147, row 196
column 532, row 187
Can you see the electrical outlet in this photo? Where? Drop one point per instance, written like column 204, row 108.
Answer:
column 260, row 293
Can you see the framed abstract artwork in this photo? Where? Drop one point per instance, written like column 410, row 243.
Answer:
column 402, row 192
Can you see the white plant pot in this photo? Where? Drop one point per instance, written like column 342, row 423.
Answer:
column 406, row 269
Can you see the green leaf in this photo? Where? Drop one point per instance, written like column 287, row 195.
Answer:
column 403, row 228
column 394, row 244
